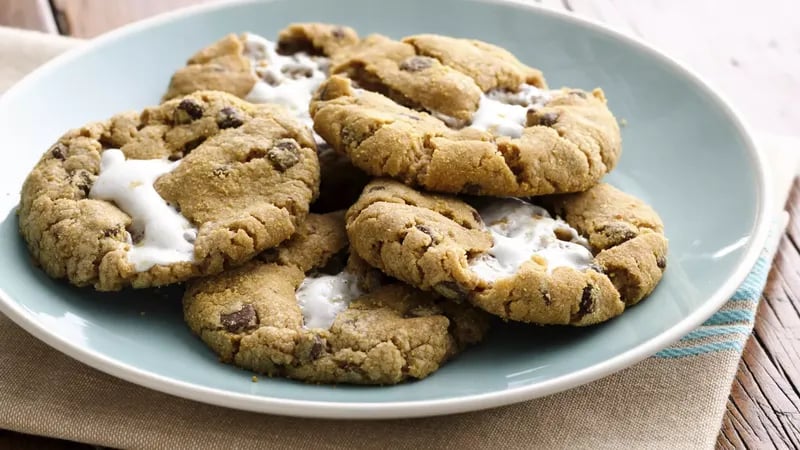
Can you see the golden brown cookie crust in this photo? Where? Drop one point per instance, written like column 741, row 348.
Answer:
column 428, row 240
column 246, row 178
column 251, row 318
column 568, row 146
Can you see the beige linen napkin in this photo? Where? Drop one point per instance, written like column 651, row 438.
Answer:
column 675, row 399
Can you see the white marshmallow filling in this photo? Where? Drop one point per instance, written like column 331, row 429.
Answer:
column 505, row 113
column 166, row 236
column 521, row 232
column 322, row 297
column 288, row 80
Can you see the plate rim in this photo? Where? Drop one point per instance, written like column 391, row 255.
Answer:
column 424, row 408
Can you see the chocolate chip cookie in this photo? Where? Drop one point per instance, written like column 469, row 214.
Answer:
column 299, row 311
column 462, row 116
column 191, row 187
column 512, row 258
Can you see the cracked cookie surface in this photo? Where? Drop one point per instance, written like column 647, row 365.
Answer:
column 241, row 177
column 252, row 316
column 437, row 243
column 462, row 116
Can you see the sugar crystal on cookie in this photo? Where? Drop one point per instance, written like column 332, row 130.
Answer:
column 166, row 236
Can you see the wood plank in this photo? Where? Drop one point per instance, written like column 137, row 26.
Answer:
column 29, row 14
column 89, row 18
column 764, row 407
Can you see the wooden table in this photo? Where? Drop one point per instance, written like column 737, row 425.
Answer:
column 751, row 53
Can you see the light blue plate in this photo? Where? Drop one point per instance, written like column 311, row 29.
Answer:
column 685, row 152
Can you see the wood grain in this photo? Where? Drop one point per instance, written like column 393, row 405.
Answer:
column 764, row 407
column 28, row 14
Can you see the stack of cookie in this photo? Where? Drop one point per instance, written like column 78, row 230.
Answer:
column 351, row 210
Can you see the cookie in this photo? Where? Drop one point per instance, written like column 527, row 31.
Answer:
column 296, row 312
column 253, row 68
column 512, row 258
column 190, row 187
column 462, row 116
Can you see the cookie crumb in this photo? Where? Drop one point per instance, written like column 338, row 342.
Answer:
column 142, row 313
column 254, row 379
column 623, row 122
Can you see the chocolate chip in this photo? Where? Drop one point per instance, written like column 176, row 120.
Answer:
column 586, row 306
column 547, row 119
column 255, row 153
column 618, row 232
column 424, row 229
column 661, row 262
column 316, row 348
column 108, row 232
column 82, row 180
column 284, row 154
column 238, row 321
column 416, row 63
column 221, row 171
column 187, row 111
column 193, row 144
column 58, row 151
column 477, row 216
column 229, row 118
column 451, row 290
column 337, row 32
column 580, row 94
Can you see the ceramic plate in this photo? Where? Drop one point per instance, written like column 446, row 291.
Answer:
column 685, row 152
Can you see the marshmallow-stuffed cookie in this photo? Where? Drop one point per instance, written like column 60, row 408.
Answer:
column 188, row 188
column 512, row 258
column 304, row 311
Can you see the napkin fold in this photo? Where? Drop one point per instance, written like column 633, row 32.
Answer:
column 675, row 399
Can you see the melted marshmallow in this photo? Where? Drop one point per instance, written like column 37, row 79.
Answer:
column 505, row 113
column 167, row 237
column 286, row 80
column 520, row 231
column 323, row 297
